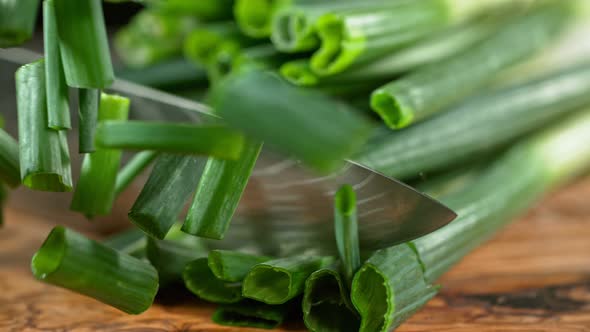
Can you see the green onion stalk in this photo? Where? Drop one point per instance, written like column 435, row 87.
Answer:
column 58, row 108
column 95, row 190
column 253, row 314
column 152, row 37
column 318, row 130
column 432, row 88
column 69, row 260
column 131, row 242
column 204, row 10
column 170, row 184
column 44, row 157
column 356, row 36
column 425, row 51
column 478, row 125
column 169, row 75
column 544, row 160
column 88, row 105
column 9, row 160
column 214, row 140
column 17, row 21
column 202, row 43
column 132, row 169
column 254, row 17
column 84, row 46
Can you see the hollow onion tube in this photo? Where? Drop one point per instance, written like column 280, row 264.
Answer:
column 9, row 160
column 58, row 108
column 171, row 182
column 171, row 256
column 204, row 10
column 316, row 129
column 252, row 314
column 83, row 43
column 478, row 125
column 70, row 260
column 425, row 51
column 280, row 280
column 132, row 169
column 428, row 90
column 95, row 190
column 218, row 193
column 88, row 105
column 214, row 140
column 17, row 21
column 43, row 152
column 326, row 303
column 131, row 242
column 389, row 288
column 346, row 230
column 233, row 266
column 199, row 279
column 254, row 17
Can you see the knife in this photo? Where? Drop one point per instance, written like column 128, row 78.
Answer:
column 286, row 208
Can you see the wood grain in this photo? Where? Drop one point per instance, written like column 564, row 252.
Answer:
column 534, row 276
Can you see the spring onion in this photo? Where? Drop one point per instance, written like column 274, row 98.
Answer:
column 346, row 230
column 83, row 43
column 280, row 280
column 171, row 182
column 205, row 10
column 152, row 37
column 425, row 51
column 254, row 17
column 326, row 303
column 170, row 257
column 173, row 74
column 478, row 125
column 214, row 140
column 132, row 169
column 252, row 314
column 9, row 160
column 417, row 96
column 95, row 191
column 58, row 108
column 219, row 192
column 390, row 287
column 44, row 156
column 17, row 21
column 88, row 105
column 199, row 279
column 131, row 242
column 316, row 129
column 69, row 260
column 233, row 266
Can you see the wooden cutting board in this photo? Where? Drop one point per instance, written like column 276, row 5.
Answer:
column 534, row 276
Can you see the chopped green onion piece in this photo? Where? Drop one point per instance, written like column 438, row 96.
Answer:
column 172, row 181
column 294, row 29
column 171, row 75
column 358, row 36
column 131, row 242
column 204, row 10
column 233, row 266
column 426, row 91
column 478, row 125
column 132, row 169
column 214, row 140
column 170, row 257
column 280, row 280
column 252, row 314
column 326, row 303
column 17, row 21
column 316, row 129
column 201, row 45
column 83, row 43
column 44, row 155
column 152, row 37
column 9, row 160
column 69, row 260
column 199, row 279
column 95, row 191
column 346, row 230
column 254, row 17
column 89, row 103
column 389, row 288
column 219, row 192
column 58, row 98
